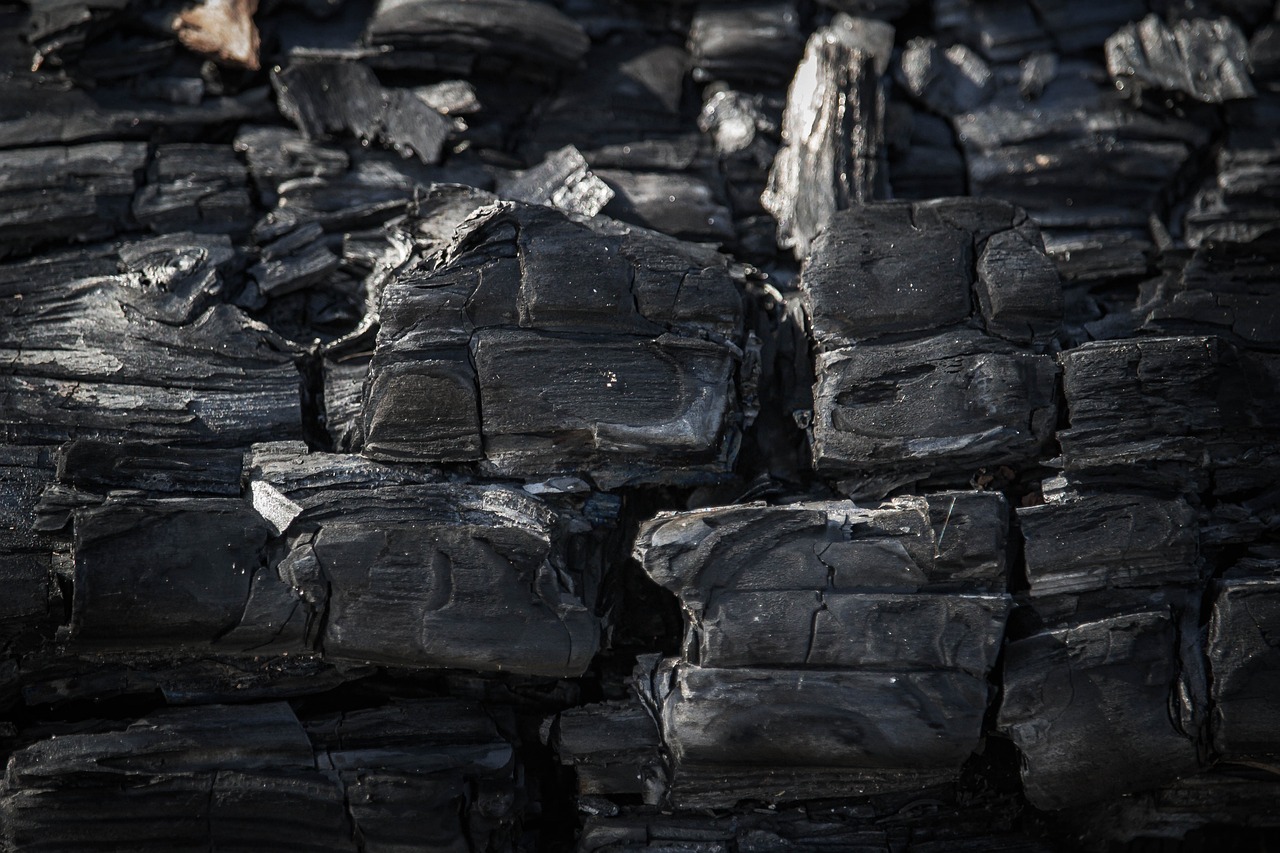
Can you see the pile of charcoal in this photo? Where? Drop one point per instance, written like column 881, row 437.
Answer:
column 619, row 426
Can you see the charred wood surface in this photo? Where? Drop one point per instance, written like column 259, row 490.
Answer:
column 711, row 427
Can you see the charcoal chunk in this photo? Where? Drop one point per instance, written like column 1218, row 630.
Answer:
column 1244, row 665
column 887, row 269
column 951, row 541
column 563, row 181
column 1149, row 405
column 115, row 357
column 1109, row 540
column 645, row 364
column 324, row 99
column 1094, row 709
column 425, row 574
column 948, row 82
column 196, row 188
column 832, row 133
column 785, row 718
column 754, row 42
column 946, row 404
column 80, row 192
column 1206, row 60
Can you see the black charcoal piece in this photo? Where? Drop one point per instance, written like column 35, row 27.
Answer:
column 415, row 573
column 624, row 110
column 77, row 192
column 119, row 357
column 1223, row 288
column 168, row 571
column 325, row 99
column 294, row 261
column 177, row 779
column 248, row 775
column 1084, row 163
column 195, row 188
column 421, row 772
column 947, row 542
column 278, row 154
column 1206, row 60
column 922, row 720
column 1100, row 709
column 945, row 405
column 96, row 465
column 442, row 35
column 674, row 203
column 949, row 81
column 1135, row 405
column 639, row 328
column 753, row 42
column 832, row 133
column 1236, row 203
column 890, row 268
column 613, row 747
column 1245, row 666
column 1102, row 541
column 563, row 181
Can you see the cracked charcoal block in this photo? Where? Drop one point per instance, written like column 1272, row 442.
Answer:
column 1139, row 404
column 1222, row 288
column 1100, row 709
column 931, row 165
column 176, row 780
column 195, row 188
column 832, row 134
column 948, row 542
column 36, row 113
column 157, row 571
column 831, row 585
column 1207, row 60
column 121, row 356
column 228, row 776
column 276, row 154
column 781, row 628
column 1080, row 160
column 636, row 396
column 853, row 719
column 945, row 405
column 422, row 574
column 79, row 192
column 459, row 38
column 1245, row 667
column 1236, row 203
column 890, row 268
column 26, row 565
column 1106, row 541
column 422, row 772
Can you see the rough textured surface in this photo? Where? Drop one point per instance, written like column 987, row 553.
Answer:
column 642, row 333
column 687, row 427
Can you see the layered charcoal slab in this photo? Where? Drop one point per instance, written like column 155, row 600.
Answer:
column 537, row 346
